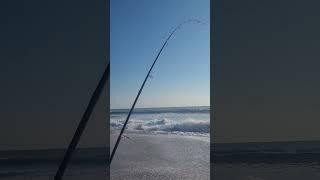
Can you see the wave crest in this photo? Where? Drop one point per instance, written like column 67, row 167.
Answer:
column 166, row 125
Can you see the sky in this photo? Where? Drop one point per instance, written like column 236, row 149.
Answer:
column 137, row 31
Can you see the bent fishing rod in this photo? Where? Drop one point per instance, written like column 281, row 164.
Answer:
column 144, row 82
column 83, row 122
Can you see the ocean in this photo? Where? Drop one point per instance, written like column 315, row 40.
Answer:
column 185, row 121
column 171, row 143
column 162, row 143
column 293, row 160
column 191, row 124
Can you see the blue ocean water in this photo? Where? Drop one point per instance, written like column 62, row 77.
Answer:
column 231, row 161
column 194, row 121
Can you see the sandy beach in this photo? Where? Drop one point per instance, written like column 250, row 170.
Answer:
column 161, row 156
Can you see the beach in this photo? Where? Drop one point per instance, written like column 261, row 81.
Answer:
column 143, row 156
column 159, row 143
column 162, row 143
column 161, row 156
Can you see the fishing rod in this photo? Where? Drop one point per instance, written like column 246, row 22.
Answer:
column 75, row 140
column 144, row 82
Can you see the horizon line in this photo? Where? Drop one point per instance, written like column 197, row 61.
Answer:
column 162, row 107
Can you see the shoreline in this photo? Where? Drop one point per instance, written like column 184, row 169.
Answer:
column 161, row 156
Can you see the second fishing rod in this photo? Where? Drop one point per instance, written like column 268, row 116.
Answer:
column 142, row 86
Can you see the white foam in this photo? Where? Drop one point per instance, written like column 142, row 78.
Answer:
column 182, row 122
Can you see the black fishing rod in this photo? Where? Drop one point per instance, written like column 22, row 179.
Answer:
column 75, row 140
column 144, row 82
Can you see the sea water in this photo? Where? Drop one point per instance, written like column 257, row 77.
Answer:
column 162, row 143
column 233, row 161
column 189, row 121
column 230, row 161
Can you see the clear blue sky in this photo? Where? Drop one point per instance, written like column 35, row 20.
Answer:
column 181, row 76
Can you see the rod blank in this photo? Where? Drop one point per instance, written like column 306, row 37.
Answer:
column 141, row 88
column 75, row 140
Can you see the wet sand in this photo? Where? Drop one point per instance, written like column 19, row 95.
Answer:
column 161, row 156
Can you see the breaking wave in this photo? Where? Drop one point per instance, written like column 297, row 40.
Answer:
column 166, row 121
column 171, row 126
